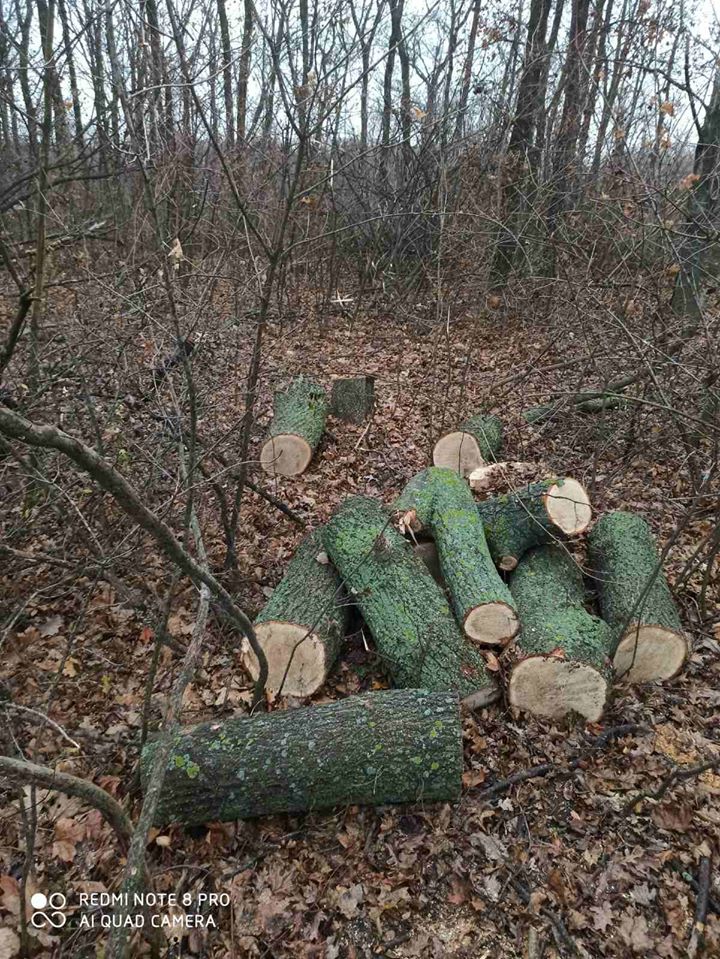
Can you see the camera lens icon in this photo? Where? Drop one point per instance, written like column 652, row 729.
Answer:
column 54, row 904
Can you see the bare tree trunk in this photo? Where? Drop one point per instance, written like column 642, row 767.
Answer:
column 467, row 70
column 244, row 70
column 227, row 72
column 701, row 214
column 78, row 135
column 517, row 162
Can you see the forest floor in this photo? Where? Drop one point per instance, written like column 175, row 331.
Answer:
column 567, row 863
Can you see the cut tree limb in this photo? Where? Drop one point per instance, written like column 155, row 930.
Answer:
column 439, row 501
column 475, row 442
column 352, row 400
column 540, row 513
column 565, row 665
column 302, row 625
column 296, row 429
column 392, row 746
column 405, row 609
column 635, row 599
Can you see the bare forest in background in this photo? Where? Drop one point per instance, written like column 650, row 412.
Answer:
column 486, row 205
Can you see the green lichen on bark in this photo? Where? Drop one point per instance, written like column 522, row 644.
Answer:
column 550, row 594
column 300, row 410
column 405, row 609
column 444, row 505
column 628, row 575
column 310, row 595
column 393, row 746
column 352, row 400
column 488, row 432
column 518, row 521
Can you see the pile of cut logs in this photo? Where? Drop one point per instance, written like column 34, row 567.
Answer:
column 463, row 592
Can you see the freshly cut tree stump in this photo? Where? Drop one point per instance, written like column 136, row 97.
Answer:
column 393, row 746
column 297, row 426
column 540, row 513
column 475, row 442
column 439, row 501
column 403, row 606
column 635, row 599
column 565, row 665
column 302, row 625
column 352, row 400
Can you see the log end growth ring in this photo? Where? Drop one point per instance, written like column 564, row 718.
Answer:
column 568, row 507
column 458, row 451
column 285, row 643
column 552, row 687
column 286, row 454
column 649, row 654
column 491, row 624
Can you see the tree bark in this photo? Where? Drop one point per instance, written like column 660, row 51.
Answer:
column 392, row 746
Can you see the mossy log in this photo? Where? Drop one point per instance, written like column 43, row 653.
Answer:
column 564, row 665
column 352, row 400
column 439, row 501
column 475, row 442
column 635, row 599
column 393, row 746
column 302, row 625
column 540, row 513
column 404, row 608
column 297, row 426
column 582, row 403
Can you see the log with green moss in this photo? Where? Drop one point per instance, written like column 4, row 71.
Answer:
column 635, row 599
column 404, row 608
column 302, row 625
column 297, row 426
column 394, row 746
column 439, row 501
column 352, row 400
column 475, row 442
column 534, row 515
column 564, row 651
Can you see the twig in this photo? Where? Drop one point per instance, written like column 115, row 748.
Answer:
column 536, row 772
column 563, row 940
column 20, row 772
column 43, row 718
column 673, row 776
column 697, row 937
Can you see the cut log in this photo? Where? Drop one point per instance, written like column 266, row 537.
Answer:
column 635, row 599
column 297, row 426
column 582, row 403
column 393, row 746
column 302, row 625
column 540, row 513
column 475, row 442
column 352, row 400
column 404, row 608
column 439, row 502
column 564, row 665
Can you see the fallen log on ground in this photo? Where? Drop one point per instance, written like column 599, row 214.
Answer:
column 352, row 400
column 297, row 426
column 635, row 599
column 540, row 513
column 439, row 501
column 582, row 403
column 302, row 625
column 392, row 746
column 404, row 608
column 475, row 442
column 564, row 665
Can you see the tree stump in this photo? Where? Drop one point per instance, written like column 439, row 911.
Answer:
column 352, row 400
